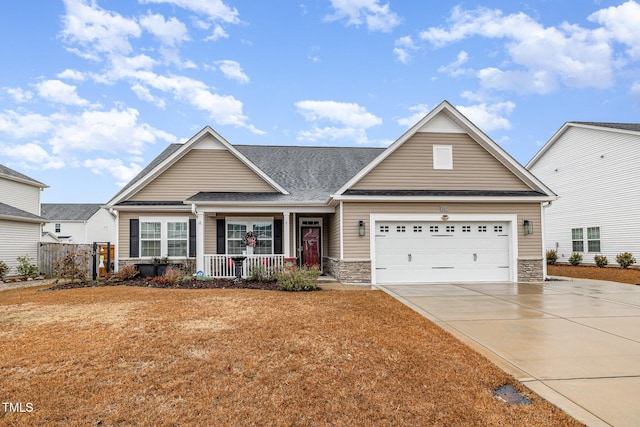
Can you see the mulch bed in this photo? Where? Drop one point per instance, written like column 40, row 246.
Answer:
column 613, row 274
column 184, row 284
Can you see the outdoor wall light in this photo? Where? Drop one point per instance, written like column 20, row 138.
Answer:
column 361, row 228
column 445, row 217
column 528, row 227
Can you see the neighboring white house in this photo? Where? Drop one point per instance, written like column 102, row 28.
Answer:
column 78, row 223
column 593, row 167
column 19, row 217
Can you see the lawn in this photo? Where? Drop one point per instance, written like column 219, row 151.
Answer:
column 614, row 274
column 120, row 356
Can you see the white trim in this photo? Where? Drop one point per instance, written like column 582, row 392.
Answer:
column 184, row 149
column 248, row 220
column 267, row 208
column 286, row 235
column 342, row 230
column 544, row 246
column 200, row 241
column 511, row 219
column 492, row 199
column 163, row 220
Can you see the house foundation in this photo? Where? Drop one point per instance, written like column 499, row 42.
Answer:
column 356, row 271
column 530, row 270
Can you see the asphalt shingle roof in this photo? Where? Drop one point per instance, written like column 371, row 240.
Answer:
column 10, row 173
column 69, row 211
column 8, row 210
column 623, row 126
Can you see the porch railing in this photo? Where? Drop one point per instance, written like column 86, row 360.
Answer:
column 222, row 266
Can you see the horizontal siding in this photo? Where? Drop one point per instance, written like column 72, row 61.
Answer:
column 202, row 170
column 21, row 196
column 594, row 173
column 18, row 239
column 410, row 167
column 356, row 247
column 334, row 234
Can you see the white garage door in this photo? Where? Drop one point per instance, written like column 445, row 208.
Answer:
column 413, row 252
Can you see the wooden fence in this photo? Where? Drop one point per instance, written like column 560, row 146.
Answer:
column 51, row 252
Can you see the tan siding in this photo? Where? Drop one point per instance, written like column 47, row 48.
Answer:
column 202, row 170
column 410, row 167
column 356, row 247
column 123, row 226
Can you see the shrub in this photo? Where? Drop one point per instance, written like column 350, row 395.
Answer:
column 299, row 279
column 26, row 268
column 260, row 273
column 127, row 272
column 601, row 260
column 625, row 259
column 575, row 259
column 173, row 275
column 552, row 257
column 4, row 269
column 74, row 265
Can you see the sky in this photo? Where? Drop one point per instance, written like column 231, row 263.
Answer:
column 92, row 90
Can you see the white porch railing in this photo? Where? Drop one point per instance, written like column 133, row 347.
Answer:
column 222, row 266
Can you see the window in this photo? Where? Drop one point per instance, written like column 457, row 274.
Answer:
column 482, row 229
column 593, row 239
column 433, row 228
column 164, row 237
column 151, row 239
column 577, row 240
column 177, row 239
column 238, row 228
column 417, row 229
column 466, row 229
column 497, row 229
column 442, row 157
column 57, row 228
column 401, row 229
column 450, row 228
column 384, row 228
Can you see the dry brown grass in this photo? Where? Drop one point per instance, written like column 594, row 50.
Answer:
column 614, row 274
column 122, row 356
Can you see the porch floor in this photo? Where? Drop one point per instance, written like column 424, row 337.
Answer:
column 329, row 283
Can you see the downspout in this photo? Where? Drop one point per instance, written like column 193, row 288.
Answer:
column 116, row 251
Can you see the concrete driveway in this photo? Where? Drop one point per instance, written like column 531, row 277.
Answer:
column 574, row 342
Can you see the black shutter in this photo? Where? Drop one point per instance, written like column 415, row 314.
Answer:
column 134, row 238
column 192, row 238
column 277, row 236
column 220, row 236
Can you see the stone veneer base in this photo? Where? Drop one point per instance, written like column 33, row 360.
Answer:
column 348, row 271
column 530, row 270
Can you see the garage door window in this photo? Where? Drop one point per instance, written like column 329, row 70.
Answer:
column 482, row 229
column 384, row 228
column 417, row 229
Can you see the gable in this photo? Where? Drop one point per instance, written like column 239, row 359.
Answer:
column 206, row 168
column 411, row 165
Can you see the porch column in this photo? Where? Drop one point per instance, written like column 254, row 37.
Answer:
column 286, row 244
column 200, row 242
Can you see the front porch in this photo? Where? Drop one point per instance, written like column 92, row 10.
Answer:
column 223, row 266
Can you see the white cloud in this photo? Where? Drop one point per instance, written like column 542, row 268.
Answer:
column 540, row 57
column 70, row 74
column 60, row 92
column 19, row 94
column 349, row 121
column 216, row 10
column 232, row 70
column 97, row 30
column 121, row 172
column 218, row 33
column 454, row 69
column 32, row 156
column 622, row 24
column 378, row 17
column 21, row 124
column 418, row 112
column 171, row 32
column 489, row 117
column 404, row 47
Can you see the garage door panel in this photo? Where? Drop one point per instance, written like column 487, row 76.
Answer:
column 442, row 252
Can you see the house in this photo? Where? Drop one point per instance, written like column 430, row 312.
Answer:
column 78, row 223
column 593, row 167
column 443, row 203
column 19, row 217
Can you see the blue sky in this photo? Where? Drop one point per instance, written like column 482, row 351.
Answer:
column 91, row 91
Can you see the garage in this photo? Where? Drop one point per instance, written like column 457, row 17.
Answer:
column 441, row 251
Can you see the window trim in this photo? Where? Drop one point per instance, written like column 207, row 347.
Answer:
column 590, row 240
column 249, row 222
column 580, row 240
column 164, row 236
column 443, row 157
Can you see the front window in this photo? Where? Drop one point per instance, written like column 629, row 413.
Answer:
column 177, row 239
column 150, row 239
column 238, row 228
column 577, row 240
column 164, row 237
column 593, row 239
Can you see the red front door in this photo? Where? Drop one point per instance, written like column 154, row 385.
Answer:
column 311, row 246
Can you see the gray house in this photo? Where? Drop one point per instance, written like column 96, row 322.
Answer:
column 20, row 218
